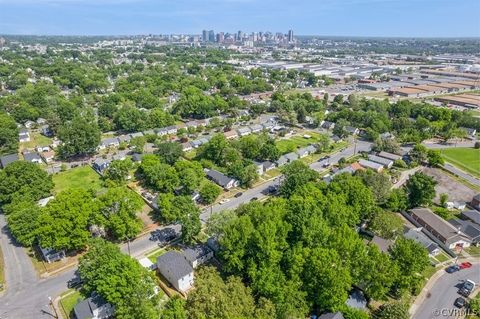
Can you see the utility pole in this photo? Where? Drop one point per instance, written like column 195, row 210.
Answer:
column 53, row 306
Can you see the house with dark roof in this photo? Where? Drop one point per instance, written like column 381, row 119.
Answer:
column 475, row 203
column 51, row 255
column 390, row 156
column 440, row 228
column 136, row 157
column 94, row 307
column 328, row 125
column 259, row 166
column 23, row 135
column 381, row 160
column 372, row 165
column 109, row 142
column 32, row 157
column 352, row 130
column 255, row 128
column 268, row 165
column 382, row 243
column 5, row 160
column 331, row 315
column 176, row 269
column 291, row 156
column 473, row 215
column 470, row 229
column 197, row 255
column 243, row 131
column 220, row 179
column 282, row 160
column 100, row 164
column 303, row 152
column 417, row 235
column 336, row 138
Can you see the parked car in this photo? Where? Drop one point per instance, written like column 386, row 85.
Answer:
column 465, row 265
column 225, row 200
column 254, row 199
column 460, row 302
column 467, row 288
column 452, row 269
column 237, row 195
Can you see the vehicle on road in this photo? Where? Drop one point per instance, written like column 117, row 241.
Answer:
column 465, row 265
column 223, row 201
column 237, row 195
column 254, row 199
column 467, row 288
column 460, row 302
column 452, row 269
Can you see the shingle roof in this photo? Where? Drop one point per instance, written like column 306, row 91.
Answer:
column 218, row 177
column 380, row 160
column 29, row 157
column 8, row 159
column 473, row 215
column 195, row 252
column 174, row 264
column 417, row 235
column 331, row 315
column 389, row 156
column 467, row 227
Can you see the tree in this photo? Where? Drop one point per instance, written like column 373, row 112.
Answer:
column 386, row 145
column 296, row 174
column 137, row 144
column 22, row 217
column 63, row 223
column 118, row 170
column 419, row 153
column 130, row 119
column 386, row 225
column 443, row 199
column 191, row 225
column 392, row 310
column 24, row 179
column 209, row 192
column 118, row 209
column 378, row 183
column 161, row 177
column 190, row 175
column 8, row 134
column 120, row 279
column 420, row 189
column 169, row 152
column 435, row 158
column 245, row 172
column 174, row 309
column 397, row 201
column 80, row 136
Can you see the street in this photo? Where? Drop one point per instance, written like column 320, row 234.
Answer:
column 442, row 295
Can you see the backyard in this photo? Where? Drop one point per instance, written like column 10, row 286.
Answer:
column 467, row 159
column 36, row 139
column 80, row 177
column 68, row 300
column 293, row 143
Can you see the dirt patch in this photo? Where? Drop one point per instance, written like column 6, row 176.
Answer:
column 456, row 191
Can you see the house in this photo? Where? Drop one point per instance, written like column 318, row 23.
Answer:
column 259, row 166
column 203, row 122
column 203, row 140
column 94, row 307
column 176, row 269
column 255, row 128
column 469, row 228
column 268, row 125
column 471, row 132
column 387, row 136
column 213, row 244
column 162, row 131
column 372, row 165
column 416, row 234
column 5, row 160
column 381, row 160
column 172, row 129
column 147, row 263
column 331, row 315
column 23, row 135
column 196, row 143
column 148, row 132
column 475, row 203
column 267, row 165
column 390, row 156
column 137, row 134
column 328, row 125
column 48, row 156
column 197, row 255
column 282, row 160
column 311, row 149
column 352, row 130
column 29, row 124
column 473, row 215
column 221, row 179
column 120, row 156
column 32, row 157
column 43, row 148
column 192, row 124
column 440, row 228
column 46, row 131
column 382, row 243
column 100, row 164
column 291, row 156
column 137, row 157
column 302, row 152
column 187, row 146
column 41, row 121
column 356, row 299
column 244, row 131
column 51, row 255
column 229, row 135
column 124, row 139
column 109, row 142
column 336, row 138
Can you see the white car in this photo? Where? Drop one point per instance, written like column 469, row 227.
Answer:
column 225, row 200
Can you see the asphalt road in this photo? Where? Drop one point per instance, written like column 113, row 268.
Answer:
column 442, row 295
column 452, row 169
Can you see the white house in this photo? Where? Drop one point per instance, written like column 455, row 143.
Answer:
column 176, row 269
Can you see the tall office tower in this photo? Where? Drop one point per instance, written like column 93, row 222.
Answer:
column 240, row 36
column 211, row 36
column 290, row 35
column 204, row 36
column 220, row 37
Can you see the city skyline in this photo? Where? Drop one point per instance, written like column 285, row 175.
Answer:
column 357, row 18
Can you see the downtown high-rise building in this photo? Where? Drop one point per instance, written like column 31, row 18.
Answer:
column 290, row 35
column 204, row 36
column 211, row 36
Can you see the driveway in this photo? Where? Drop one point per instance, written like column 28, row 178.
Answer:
column 439, row 301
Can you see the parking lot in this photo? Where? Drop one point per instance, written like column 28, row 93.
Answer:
column 456, row 191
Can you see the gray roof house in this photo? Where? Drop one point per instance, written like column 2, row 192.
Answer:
column 255, row 128
column 176, row 269
column 268, row 125
column 331, row 315
column 372, row 165
column 259, row 166
column 352, row 130
column 197, row 255
column 124, row 138
column 390, row 156
column 172, row 129
column 440, row 228
column 32, row 157
column 94, row 307
column 267, row 165
column 473, row 215
column 311, row 148
column 5, row 160
column 282, row 160
column 382, row 243
column 243, row 131
column 137, row 157
column 381, row 160
column 417, row 235
column 109, row 142
column 100, row 164
column 470, row 229
column 52, row 255
column 221, row 179
column 302, row 152
column 137, row 134
column 23, row 135
column 292, row 156
column 162, row 131
column 196, row 143
column 328, row 125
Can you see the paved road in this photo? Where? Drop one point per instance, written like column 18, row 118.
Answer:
column 443, row 294
column 452, row 169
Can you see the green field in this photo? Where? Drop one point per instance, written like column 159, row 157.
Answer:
column 80, row 177
column 295, row 142
column 68, row 301
column 467, row 159
column 36, row 139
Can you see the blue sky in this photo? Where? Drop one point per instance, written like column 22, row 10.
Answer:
column 411, row 18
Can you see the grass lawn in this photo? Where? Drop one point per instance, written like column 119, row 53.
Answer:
column 68, row 300
column 442, row 257
column 79, row 177
column 474, row 251
column 36, row 139
column 293, row 143
column 154, row 254
column 467, row 159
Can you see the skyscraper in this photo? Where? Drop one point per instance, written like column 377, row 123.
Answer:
column 240, row 36
column 211, row 36
column 220, row 37
column 204, row 36
column 290, row 35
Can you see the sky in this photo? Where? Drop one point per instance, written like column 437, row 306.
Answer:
column 389, row 18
